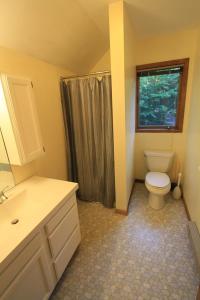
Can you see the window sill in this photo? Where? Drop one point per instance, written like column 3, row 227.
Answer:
column 157, row 130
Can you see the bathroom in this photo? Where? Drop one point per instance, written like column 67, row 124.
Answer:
column 54, row 245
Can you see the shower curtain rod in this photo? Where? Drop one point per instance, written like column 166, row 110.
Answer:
column 86, row 75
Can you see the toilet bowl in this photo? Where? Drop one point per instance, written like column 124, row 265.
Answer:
column 158, row 184
column 157, row 181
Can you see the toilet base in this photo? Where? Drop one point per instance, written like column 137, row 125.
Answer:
column 156, row 201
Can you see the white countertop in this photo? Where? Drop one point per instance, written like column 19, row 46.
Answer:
column 31, row 202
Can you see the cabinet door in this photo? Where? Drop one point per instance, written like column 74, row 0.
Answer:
column 32, row 282
column 20, row 102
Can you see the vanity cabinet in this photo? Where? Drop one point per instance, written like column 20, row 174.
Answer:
column 63, row 235
column 28, row 276
column 33, row 268
column 19, row 120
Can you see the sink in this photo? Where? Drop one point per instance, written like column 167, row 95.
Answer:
column 15, row 207
column 27, row 206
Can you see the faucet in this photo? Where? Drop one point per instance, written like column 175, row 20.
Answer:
column 3, row 197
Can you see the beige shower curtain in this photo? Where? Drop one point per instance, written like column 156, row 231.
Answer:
column 87, row 110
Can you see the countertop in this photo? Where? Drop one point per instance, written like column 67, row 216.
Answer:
column 31, row 201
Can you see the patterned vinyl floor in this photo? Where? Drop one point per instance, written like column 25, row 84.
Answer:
column 146, row 255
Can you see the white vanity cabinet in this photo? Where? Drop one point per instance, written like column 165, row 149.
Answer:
column 28, row 276
column 19, row 120
column 31, row 268
column 63, row 235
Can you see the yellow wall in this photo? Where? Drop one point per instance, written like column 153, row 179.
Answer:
column 130, row 44
column 162, row 48
column 45, row 78
column 122, row 58
column 167, row 47
column 118, row 91
column 192, row 163
column 103, row 64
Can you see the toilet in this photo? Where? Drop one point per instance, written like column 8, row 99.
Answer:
column 157, row 181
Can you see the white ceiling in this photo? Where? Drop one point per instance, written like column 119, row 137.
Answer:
column 74, row 33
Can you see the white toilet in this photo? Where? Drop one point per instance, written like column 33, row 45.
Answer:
column 157, row 181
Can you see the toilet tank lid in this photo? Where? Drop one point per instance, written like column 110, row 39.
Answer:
column 159, row 153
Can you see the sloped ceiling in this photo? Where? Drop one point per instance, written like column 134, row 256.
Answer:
column 153, row 17
column 57, row 31
column 74, row 33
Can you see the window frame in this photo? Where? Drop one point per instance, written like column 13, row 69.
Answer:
column 182, row 95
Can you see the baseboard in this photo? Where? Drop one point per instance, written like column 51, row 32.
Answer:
column 139, row 180
column 130, row 196
column 186, row 208
column 195, row 239
column 173, row 185
column 121, row 212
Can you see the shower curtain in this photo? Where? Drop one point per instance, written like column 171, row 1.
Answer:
column 87, row 110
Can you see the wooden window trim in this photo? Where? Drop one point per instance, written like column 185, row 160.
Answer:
column 182, row 96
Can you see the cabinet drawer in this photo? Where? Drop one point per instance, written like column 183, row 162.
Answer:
column 55, row 220
column 19, row 262
column 65, row 255
column 62, row 232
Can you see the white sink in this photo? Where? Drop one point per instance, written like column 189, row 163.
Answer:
column 14, row 206
column 30, row 203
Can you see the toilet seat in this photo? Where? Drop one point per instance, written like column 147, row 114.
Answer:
column 158, row 184
column 157, row 180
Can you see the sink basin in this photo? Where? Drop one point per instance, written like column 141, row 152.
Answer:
column 28, row 205
column 15, row 207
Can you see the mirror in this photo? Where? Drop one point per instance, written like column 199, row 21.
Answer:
column 6, row 176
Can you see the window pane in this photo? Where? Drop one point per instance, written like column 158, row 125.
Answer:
column 158, row 99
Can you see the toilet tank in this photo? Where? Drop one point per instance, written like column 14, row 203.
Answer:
column 158, row 161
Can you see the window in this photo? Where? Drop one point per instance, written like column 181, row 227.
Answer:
column 160, row 93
